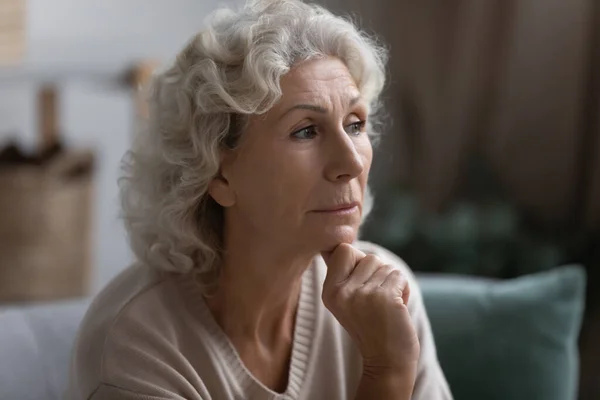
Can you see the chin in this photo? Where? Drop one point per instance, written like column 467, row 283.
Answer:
column 330, row 238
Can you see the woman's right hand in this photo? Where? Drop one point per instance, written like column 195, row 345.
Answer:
column 369, row 299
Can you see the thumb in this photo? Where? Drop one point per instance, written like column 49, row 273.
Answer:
column 341, row 261
column 327, row 256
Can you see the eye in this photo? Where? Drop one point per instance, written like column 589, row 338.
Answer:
column 355, row 128
column 305, row 133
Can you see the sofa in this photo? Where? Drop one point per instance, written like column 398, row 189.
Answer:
column 512, row 339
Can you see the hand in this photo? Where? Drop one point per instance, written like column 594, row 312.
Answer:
column 369, row 299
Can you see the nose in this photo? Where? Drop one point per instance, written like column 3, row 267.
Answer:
column 344, row 161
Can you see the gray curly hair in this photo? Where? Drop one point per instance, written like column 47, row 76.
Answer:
column 201, row 102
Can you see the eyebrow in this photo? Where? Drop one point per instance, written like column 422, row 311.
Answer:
column 315, row 108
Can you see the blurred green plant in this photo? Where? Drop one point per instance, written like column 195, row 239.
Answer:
column 483, row 237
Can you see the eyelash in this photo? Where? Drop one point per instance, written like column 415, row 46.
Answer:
column 358, row 124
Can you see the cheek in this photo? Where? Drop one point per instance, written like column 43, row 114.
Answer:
column 277, row 182
column 366, row 153
column 365, row 149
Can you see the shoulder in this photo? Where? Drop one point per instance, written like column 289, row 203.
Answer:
column 131, row 310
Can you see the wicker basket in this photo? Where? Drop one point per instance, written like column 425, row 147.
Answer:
column 45, row 216
column 46, row 209
column 45, row 227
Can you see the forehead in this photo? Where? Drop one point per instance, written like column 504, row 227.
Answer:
column 318, row 80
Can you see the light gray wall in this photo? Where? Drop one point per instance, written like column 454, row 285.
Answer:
column 103, row 35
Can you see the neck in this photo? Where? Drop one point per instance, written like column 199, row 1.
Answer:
column 259, row 289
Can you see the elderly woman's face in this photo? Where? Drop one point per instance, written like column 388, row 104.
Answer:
column 298, row 176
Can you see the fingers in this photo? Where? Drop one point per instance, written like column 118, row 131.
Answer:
column 341, row 262
column 352, row 268
column 363, row 271
column 379, row 276
column 397, row 281
column 406, row 290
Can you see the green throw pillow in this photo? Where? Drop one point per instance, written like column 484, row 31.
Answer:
column 508, row 340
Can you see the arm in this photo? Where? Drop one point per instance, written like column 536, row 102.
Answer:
column 424, row 382
column 376, row 298
column 389, row 386
column 430, row 382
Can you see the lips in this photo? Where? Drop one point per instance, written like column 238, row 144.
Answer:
column 340, row 207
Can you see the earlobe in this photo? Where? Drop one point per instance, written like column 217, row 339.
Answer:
column 221, row 192
column 220, row 188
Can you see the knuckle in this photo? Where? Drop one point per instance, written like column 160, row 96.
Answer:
column 391, row 269
column 387, row 269
column 396, row 275
column 345, row 246
column 403, row 281
column 372, row 259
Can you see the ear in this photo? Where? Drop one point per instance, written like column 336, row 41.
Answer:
column 220, row 188
column 221, row 192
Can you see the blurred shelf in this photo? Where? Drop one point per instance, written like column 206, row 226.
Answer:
column 108, row 77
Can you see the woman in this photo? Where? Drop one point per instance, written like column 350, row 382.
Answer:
column 243, row 199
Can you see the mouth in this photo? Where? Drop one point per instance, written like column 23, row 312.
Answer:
column 340, row 209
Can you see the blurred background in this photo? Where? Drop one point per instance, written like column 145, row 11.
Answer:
column 489, row 165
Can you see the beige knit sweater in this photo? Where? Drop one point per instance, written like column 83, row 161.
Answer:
column 149, row 335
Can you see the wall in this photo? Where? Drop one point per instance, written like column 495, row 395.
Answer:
column 103, row 36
